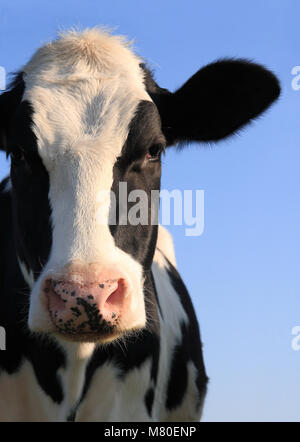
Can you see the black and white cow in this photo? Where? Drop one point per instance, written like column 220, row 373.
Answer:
column 99, row 325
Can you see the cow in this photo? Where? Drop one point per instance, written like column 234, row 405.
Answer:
column 99, row 324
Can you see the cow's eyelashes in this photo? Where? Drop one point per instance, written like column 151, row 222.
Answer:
column 155, row 151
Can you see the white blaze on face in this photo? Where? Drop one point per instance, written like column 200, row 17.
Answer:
column 84, row 89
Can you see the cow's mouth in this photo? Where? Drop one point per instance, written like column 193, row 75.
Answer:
column 86, row 317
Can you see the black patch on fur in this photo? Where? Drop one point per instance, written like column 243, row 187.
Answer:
column 149, row 398
column 9, row 102
column 178, row 378
column 72, row 416
column 30, row 203
column 25, row 232
column 190, row 348
column 132, row 167
column 46, row 358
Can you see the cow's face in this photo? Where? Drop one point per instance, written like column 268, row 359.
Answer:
column 84, row 117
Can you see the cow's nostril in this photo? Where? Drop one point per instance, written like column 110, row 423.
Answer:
column 117, row 297
column 54, row 299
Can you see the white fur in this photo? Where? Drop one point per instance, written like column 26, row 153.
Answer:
column 113, row 399
column 27, row 274
column 73, row 375
column 22, row 399
column 185, row 412
column 84, row 89
column 166, row 246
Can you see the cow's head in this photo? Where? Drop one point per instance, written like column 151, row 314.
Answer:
column 84, row 115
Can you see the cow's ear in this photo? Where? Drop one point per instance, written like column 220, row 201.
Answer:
column 217, row 101
column 9, row 102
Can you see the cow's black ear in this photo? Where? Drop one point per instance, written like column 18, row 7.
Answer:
column 9, row 101
column 217, row 101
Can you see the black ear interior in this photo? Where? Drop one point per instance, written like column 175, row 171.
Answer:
column 216, row 101
column 9, row 101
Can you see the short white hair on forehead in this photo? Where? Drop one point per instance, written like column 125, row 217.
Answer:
column 90, row 51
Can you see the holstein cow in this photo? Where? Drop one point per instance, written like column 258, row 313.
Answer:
column 99, row 325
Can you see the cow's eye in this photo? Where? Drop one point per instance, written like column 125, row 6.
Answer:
column 154, row 152
column 17, row 157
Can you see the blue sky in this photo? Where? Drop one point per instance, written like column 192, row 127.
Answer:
column 243, row 272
